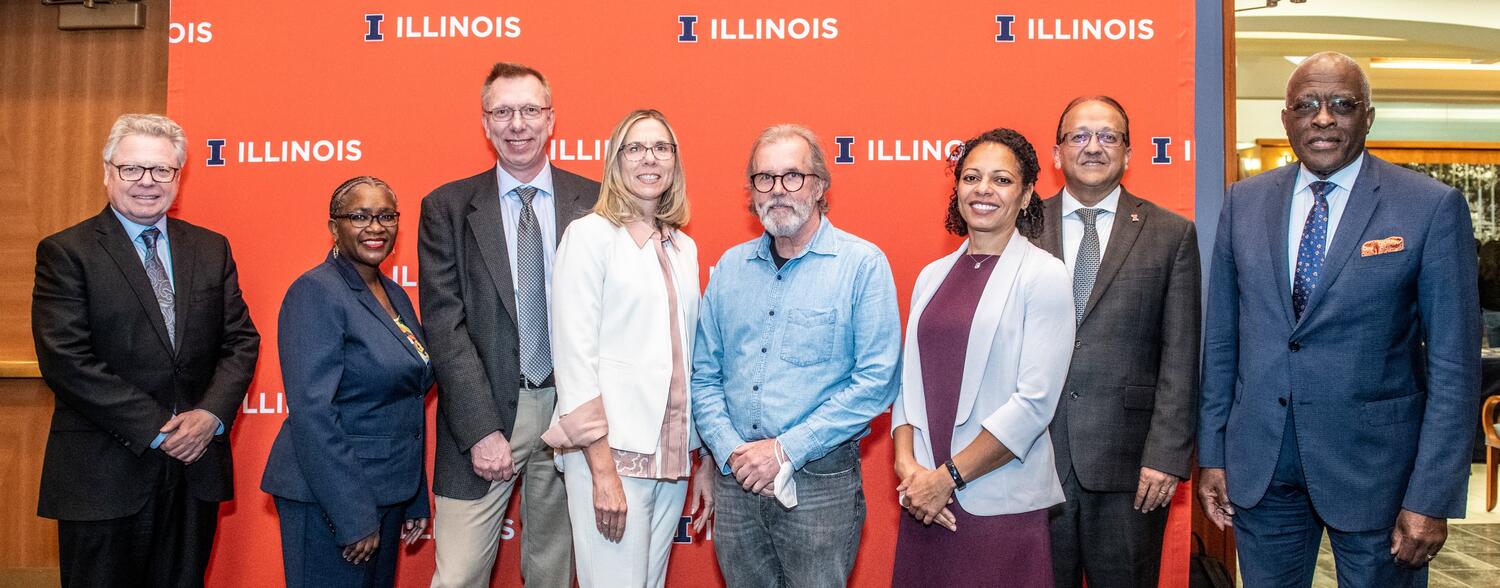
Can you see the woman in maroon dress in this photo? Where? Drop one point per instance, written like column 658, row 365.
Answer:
column 988, row 342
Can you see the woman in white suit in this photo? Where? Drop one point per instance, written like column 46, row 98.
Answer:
column 624, row 307
column 988, row 342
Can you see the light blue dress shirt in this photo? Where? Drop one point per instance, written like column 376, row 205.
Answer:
column 1302, row 203
column 163, row 253
column 807, row 354
column 544, row 205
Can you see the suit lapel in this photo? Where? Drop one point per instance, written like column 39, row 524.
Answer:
column 1130, row 216
column 564, row 202
column 367, row 299
column 488, row 224
column 987, row 320
column 1363, row 200
column 184, row 260
column 1277, row 224
column 1051, row 239
column 116, row 243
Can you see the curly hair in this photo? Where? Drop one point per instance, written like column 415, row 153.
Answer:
column 1029, row 220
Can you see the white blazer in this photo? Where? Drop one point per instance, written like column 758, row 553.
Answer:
column 610, row 328
column 1020, row 343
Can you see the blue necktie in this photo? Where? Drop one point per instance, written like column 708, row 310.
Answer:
column 1312, row 248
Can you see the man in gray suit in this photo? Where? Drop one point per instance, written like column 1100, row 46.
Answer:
column 1123, row 432
column 485, row 247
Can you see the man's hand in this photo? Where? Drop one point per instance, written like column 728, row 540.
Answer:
column 1213, row 492
column 361, row 551
column 701, row 501
column 1417, row 538
column 1155, row 489
column 188, row 434
column 755, row 465
column 492, row 458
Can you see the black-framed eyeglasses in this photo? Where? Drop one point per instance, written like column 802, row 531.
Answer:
column 133, row 173
column 792, row 181
column 502, row 114
column 361, row 220
column 659, row 151
column 1107, row 137
column 1337, row 105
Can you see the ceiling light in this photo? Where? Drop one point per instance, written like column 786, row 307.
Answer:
column 1432, row 64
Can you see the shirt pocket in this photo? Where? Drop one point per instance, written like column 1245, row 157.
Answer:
column 807, row 338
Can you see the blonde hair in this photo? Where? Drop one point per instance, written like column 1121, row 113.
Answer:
column 615, row 202
column 147, row 125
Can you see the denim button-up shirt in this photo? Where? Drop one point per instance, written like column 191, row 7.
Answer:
column 807, row 354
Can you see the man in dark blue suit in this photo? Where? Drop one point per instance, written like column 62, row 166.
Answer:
column 1341, row 357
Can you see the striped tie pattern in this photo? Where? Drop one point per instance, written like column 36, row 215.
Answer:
column 162, row 286
column 531, row 294
column 1086, row 268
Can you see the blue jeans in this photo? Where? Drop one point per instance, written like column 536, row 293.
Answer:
column 759, row 543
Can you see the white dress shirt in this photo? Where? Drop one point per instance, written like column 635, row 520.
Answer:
column 1072, row 224
column 1302, row 203
column 546, row 216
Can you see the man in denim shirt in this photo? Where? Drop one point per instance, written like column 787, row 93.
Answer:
column 797, row 349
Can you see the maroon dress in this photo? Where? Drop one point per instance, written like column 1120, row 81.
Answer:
column 1003, row 550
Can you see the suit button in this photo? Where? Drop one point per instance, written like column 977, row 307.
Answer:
column 1078, row 344
column 1282, row 401
column 1294, row 346
column 1073, row 395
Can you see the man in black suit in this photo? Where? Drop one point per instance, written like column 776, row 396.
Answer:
column 1124, row 428
column 142, row 335
column 486, row 245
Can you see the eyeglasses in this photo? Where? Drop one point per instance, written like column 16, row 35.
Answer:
column 134, row 173
column 505, row 113
column 659, row 151
column 361, row 220
column 792, row 181
column 1106, row 137
column 1337, row 105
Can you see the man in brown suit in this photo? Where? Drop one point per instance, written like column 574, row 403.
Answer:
column 1123, row 432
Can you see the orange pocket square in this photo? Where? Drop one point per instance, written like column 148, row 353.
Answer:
column 1382, row 246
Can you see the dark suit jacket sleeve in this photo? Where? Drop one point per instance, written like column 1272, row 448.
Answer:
column 1221, row 342
column 67, row 358
column 462, row 379
column 310, row 340
column 239, row 348
column 1169, row 445
column 1448, row 303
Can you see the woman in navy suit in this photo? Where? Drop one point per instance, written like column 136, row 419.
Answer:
column 346, row 469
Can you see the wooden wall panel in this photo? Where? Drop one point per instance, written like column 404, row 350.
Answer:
column 59, row 92
column 29, row 541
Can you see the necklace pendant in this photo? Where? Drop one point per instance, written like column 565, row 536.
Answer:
column 977, row 264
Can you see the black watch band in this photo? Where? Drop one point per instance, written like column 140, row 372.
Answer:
column 958, row 481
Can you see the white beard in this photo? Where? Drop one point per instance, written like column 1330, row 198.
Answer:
column 784, row 223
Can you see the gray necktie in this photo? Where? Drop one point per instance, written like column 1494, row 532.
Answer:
column 531, row 295
column 160, row 284
column 1086, row 267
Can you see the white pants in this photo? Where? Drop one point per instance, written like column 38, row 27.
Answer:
column 652, row 511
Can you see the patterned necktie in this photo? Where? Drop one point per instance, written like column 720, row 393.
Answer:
column 1310, row 251
column 1086, row 267
column 160, row 284
column 531, row 296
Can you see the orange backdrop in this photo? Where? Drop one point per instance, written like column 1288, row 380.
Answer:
column 282, row 100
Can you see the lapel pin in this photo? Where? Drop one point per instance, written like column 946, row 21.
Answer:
column 1135, row 218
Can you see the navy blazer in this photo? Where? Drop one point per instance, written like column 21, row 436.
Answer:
column 355, row 387
column 1382, row 371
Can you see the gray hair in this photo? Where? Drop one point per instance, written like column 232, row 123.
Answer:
column 1338, row 58
column 149, row 125
column 775, row 133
